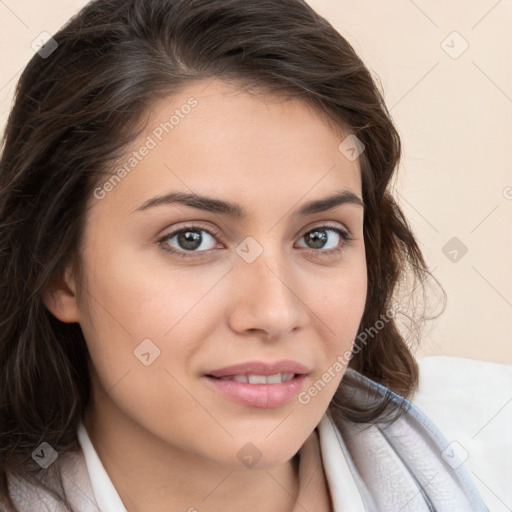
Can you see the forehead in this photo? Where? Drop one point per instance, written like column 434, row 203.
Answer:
column 212, row 136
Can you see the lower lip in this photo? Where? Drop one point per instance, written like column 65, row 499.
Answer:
column 263, row 396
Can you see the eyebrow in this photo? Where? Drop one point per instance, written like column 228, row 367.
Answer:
column 234, row 210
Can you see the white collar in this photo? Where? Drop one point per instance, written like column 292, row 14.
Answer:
column 338, row 470
column 107, row 498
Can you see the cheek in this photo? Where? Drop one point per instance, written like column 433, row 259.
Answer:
column 141, row 369
column 145, row 324
column 341, row 307
column 342, row 301
column 143, row 296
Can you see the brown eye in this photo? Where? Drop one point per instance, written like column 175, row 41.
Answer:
column 326, row 238
column 190, row 239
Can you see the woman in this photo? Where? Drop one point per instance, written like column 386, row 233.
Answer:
column 200, row 256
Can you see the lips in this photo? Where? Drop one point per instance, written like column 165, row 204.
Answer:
column 258, row 384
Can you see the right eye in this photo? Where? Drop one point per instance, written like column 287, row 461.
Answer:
column 188, row 239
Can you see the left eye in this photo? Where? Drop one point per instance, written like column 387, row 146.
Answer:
column 318, row 237
column 190, row 239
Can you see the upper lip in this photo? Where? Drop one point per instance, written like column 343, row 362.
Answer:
column 260, row 368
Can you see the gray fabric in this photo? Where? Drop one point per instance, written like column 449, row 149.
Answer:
column 401, row 463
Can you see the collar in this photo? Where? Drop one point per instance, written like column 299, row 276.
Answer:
column 107, row 498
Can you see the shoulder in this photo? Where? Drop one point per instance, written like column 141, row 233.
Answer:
column 404, row 463
column 470, row 400
column 76, row 482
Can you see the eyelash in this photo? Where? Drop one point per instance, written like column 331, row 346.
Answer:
column 344, row 234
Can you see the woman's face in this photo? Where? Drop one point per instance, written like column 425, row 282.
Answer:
column 176, row 291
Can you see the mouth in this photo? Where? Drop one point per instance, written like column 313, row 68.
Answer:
column 258, row 384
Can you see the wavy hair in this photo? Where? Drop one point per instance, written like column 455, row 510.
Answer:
column 74, row 114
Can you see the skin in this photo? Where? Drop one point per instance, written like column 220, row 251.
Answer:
column 164, row 437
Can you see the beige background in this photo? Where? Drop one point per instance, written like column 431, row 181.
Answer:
column 453, row 109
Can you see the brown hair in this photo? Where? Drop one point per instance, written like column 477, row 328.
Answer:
column 74, row 113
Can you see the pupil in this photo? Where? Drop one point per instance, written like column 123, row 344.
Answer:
column 318, row 237
column 189, row 239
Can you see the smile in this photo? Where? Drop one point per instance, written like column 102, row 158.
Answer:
column 263, row 396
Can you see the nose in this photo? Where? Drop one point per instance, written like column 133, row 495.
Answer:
column 269, row 297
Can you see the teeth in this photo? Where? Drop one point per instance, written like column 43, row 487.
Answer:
column 274, row 379
column 261, row 379
column 258, row 379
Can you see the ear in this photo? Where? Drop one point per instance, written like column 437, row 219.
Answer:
column 60, row 298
